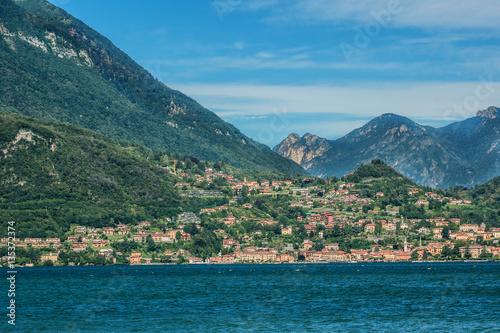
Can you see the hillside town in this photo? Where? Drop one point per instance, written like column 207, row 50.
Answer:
column 320, row 222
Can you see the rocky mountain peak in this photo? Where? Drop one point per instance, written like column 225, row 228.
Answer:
column 490, row 113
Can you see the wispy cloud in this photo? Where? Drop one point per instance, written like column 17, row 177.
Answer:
column 424, row 100
column 425, row 14
column 333, row 111
column 268, row 61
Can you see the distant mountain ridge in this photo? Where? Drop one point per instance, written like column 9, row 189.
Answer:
column 54, row 67
column 462, row 153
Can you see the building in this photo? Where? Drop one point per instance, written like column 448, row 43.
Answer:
column 79, row 246
column 285, row 258
column 475, row 250
column 80, row 229
column 257, row 256
column 469, row 227
column 370, row 228
column 422, row 202
column 108, row 231
column 135, row 258
column 50, row 256
column 196, row 261
column 99, row 243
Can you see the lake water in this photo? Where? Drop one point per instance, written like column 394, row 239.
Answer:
column 376, row 297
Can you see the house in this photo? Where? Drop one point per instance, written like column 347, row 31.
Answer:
column 99, row 243
column 485, row 234
column 228, row 259
column 145, row 224
column 435, row 248
column 285, row 258
column 106, row 252
column 163, row 238
column 475, row 250
column 228, row 243
column 32, row 240
column 389, row 226
column 403, row 256
column 258, row 256
column 307, row 245
column 286, row 230
column 79, row 246
column 215, row 260
column 469, row 227
column 422, row 202
column 495, row 232
column 172, row 234
column 50, row 256
column 208, row 210
column 54, row 241
column 140, row 238
column 196, row 261
column 80, row 229
column 135, row 257
column 424, row 230
column 108, row 231
column 462, row 236
column 370, row 228
column 332, row 246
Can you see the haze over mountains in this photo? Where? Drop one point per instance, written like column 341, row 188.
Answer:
column 54, row 67
column 462, row 153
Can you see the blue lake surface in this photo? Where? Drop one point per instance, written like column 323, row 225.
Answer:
column 370, row 297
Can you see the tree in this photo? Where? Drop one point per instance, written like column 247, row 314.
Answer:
column 446, row 232
column 485, row 255
column 318, row 246
column 48, row 263
column 151, row 246
column 467, row 254
column 244, row 191
column 425, row 255
column 446, row 252
column 414, row 255
column 191, row 229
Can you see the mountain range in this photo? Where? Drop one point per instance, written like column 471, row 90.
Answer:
column 462, row 153
column 55, row 67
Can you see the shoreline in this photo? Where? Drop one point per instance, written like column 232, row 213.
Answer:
column 284, row 263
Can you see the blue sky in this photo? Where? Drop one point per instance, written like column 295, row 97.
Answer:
column 273, row 67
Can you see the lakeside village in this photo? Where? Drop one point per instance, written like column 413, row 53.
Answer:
column 263, row 221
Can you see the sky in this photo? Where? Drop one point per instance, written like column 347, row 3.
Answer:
column 275, row 67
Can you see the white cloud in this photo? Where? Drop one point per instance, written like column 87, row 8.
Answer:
column 438, row 101
column 266, row 60
column 406, row 13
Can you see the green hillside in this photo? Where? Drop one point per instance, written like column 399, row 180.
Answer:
column 53, row 175
column 55, row 67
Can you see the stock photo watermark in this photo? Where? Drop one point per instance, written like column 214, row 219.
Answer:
column 223, row 7
column 363, row 35
column 11, row 273
column 278, row 122
column 471, row 103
